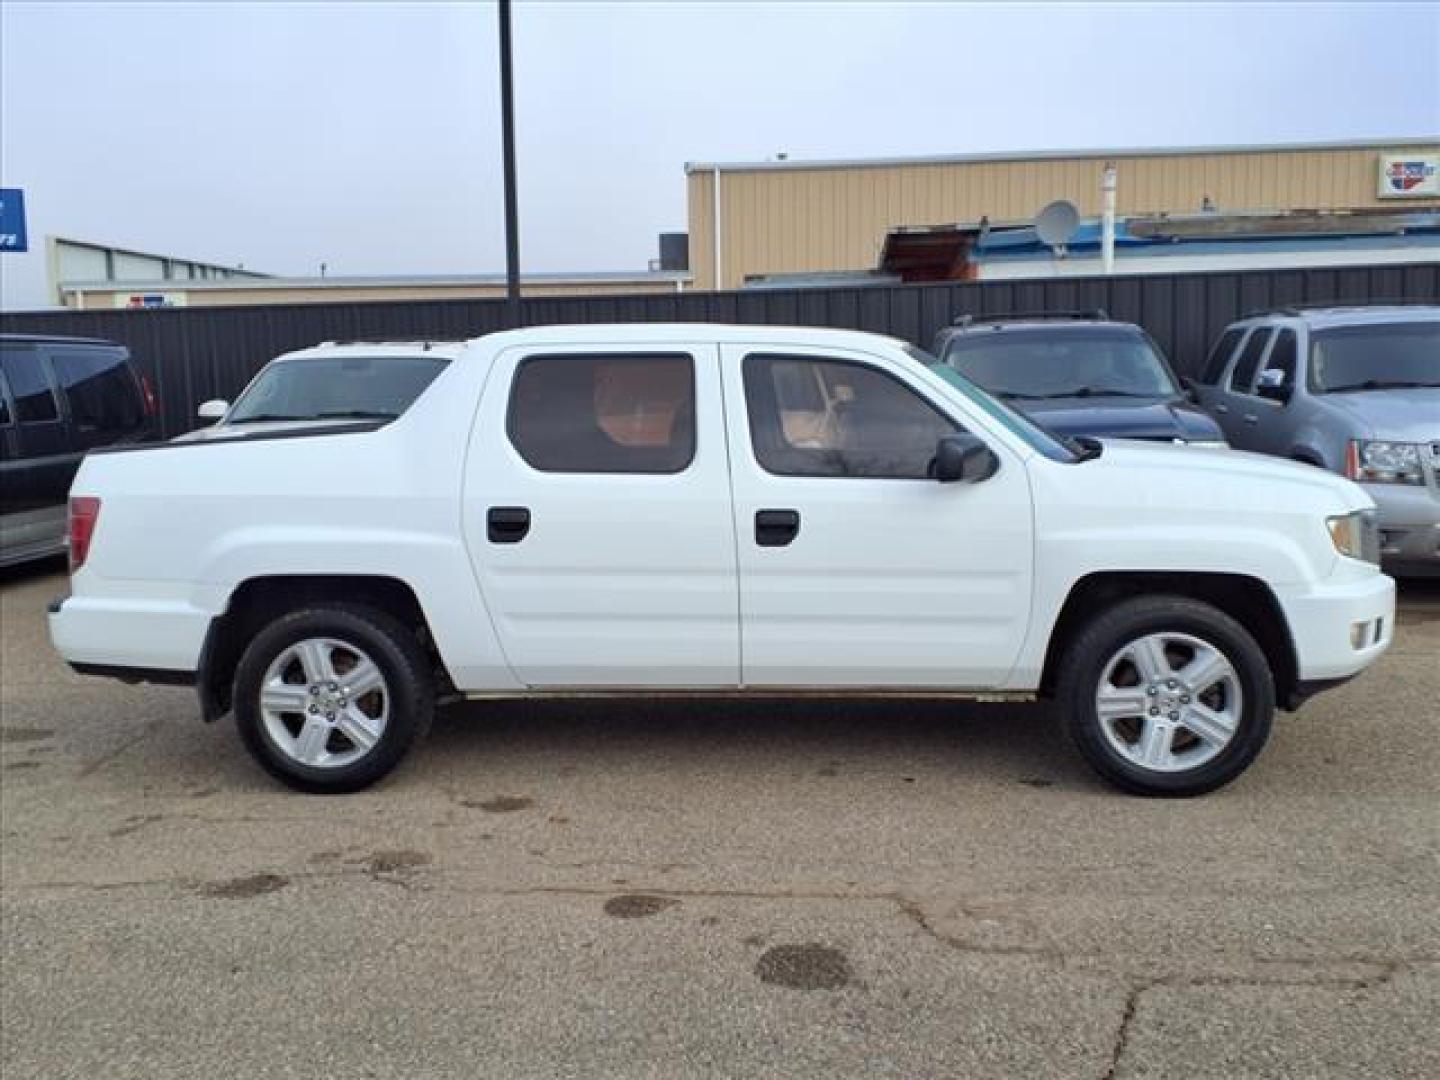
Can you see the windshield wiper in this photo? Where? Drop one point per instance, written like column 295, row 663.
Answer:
column 263, row 418
column 1382, row 384
column 355, row 414
column 1097, row 391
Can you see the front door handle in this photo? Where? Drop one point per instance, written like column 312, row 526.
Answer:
column 507, row 524
column 1222, row 408
column 1252, row 418
column 776, row 528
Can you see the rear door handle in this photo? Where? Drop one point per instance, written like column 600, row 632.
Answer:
column 1252, row 418
column 1222, row 408
column 507, row 524
column 776, row 528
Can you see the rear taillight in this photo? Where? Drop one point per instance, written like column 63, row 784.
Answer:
column 84, row 513
column 148, row 392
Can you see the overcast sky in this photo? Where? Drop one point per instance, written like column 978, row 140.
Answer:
column 366, row 135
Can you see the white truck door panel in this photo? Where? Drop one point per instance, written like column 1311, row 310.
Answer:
column 875, row 580
column 623, row 574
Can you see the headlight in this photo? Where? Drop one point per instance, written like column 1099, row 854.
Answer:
column 1209, row 444
column 1381, row 462
column 1356, row 535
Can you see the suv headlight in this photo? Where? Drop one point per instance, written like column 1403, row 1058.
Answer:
column 1356, row 535
column 1377, row 461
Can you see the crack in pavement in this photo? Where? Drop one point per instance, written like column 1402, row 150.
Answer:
column 1112, row 966
column 1122, row 1033
column 99, row 763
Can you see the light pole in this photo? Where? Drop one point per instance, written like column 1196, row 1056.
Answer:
column 507, row 130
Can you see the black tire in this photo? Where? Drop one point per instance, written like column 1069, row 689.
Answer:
column 395, row 651
column 1083, row 664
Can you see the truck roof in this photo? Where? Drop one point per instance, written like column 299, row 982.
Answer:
column 685, row 333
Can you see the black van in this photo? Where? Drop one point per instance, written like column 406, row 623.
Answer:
column 59, row 397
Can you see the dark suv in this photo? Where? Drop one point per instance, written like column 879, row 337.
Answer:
column 59, row 397
column 1077, row 373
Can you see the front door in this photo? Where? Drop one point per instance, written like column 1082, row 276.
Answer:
column 857, row 569
column 597, row 514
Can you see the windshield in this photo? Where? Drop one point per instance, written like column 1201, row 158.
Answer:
column 1014, row 422
column 334, row 388
column 1397, row 356
column 1066, row 363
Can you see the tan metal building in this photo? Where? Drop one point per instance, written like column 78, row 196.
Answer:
column 824, row 216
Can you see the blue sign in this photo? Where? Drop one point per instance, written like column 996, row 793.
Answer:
column 12, row 220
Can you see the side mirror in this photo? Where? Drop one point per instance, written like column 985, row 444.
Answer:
column 1271, row 384
column 963, row 458
column 213, row 409
column 1187, row 384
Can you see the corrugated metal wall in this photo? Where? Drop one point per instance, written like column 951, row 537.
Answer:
column 192, row 354
column 784, row 220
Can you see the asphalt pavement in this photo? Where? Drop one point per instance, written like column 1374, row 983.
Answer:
column 776, row 889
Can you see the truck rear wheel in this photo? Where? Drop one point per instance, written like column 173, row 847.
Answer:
column 330, row 698
column 1164, row 695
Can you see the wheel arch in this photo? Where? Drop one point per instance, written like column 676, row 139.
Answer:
column 1246, row 599
column 258, row 600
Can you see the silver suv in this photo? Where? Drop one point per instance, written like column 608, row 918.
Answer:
column 1352, row 390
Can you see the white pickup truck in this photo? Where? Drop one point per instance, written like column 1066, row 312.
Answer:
column 705, row 509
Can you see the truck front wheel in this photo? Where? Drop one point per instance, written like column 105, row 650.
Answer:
column 1165, row 695
column 330, row 698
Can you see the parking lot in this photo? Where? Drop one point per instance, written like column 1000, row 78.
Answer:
column 673, row 889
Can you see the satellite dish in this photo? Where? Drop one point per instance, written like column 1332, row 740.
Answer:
column 1056, row 224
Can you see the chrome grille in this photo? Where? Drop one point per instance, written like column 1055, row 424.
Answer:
column 1370, row 537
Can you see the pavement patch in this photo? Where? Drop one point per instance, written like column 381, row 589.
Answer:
column 243, row 888
column 637, row 905
column 804, row 967
column 501, row 804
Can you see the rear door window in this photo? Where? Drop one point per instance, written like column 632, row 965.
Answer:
column 1220, row 356
column 100, row 390
column 1243, row 377
column 29, row 385
column 608, row 413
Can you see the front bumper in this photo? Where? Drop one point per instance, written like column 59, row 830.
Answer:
column 1409, row 526
column 1342, row 625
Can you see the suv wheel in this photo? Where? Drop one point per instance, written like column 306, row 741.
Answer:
column 1166, row 695
column 330, row 699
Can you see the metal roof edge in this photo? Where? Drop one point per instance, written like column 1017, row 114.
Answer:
column 414, row 281
column 1402, row 143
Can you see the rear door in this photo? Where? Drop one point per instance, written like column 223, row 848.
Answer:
column 1234, row 405
column 597, row 514
column 856, row 568
column 39, row 462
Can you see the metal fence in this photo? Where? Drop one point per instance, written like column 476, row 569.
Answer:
column 192, row 354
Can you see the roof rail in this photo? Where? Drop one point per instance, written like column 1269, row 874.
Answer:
column 1090, row 315
column 1300, row 307
column 425, row 341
